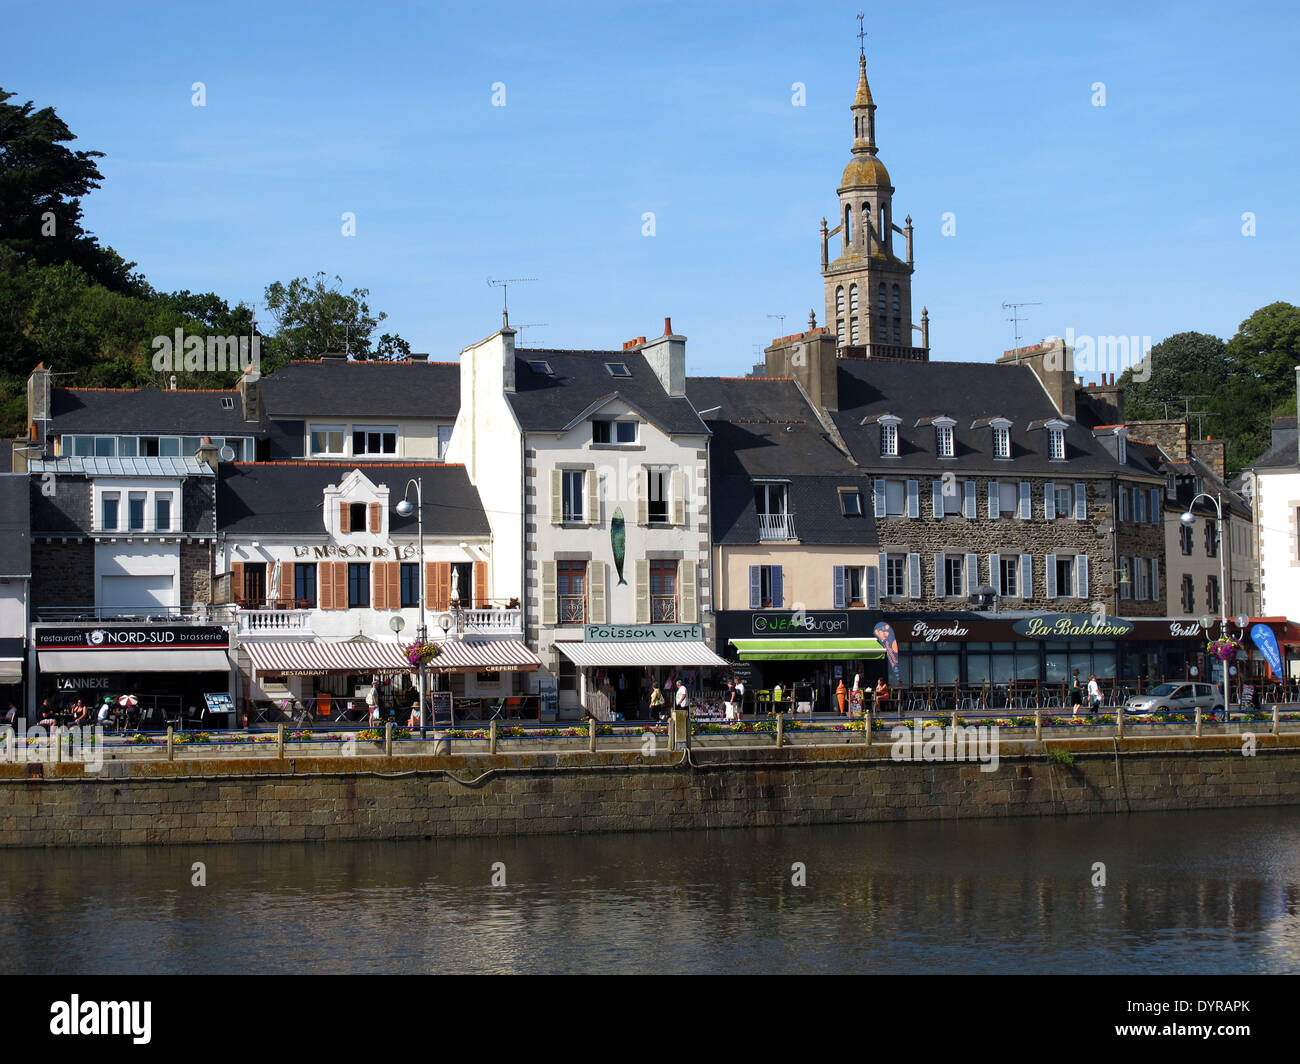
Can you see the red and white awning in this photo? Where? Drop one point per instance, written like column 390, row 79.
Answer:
column 315, row 657
column 485, row 655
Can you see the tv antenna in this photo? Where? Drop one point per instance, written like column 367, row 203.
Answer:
column 505, row 295
column 780, row 320
column 1016, row 317
column 531, row 325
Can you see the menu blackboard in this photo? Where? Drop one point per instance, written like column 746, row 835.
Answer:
column 440, row 707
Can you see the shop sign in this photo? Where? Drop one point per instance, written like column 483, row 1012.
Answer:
column 649, row 633
column 83, row 683
column 133, row 637
column 800, row 622
column 934, row 633
column 1181, row 630
column 1073, row 626
column 355, row 550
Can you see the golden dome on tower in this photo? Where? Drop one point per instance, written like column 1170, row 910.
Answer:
column 865, row 171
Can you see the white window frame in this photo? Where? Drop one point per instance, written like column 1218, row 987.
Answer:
column 1001, row 441
column 568, row 498
column 376, row 430
column 1055, row 443
column 444, row 441
column 100, row 498
column 615, row 426
column 945, row 440
column 313, row 430
column 889, row 437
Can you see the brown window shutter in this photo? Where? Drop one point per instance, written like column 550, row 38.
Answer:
column 284, row 592
column 440, row 585
column 376, row 517
column 345, row 518
column 340, row 574
column 393, row 574
column 324, row 585
column 237, row 582
column 480, row 584
column 379, row 587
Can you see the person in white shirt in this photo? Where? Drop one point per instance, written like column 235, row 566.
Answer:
column 680, row 698
column 740, row 699
column 1094, row 694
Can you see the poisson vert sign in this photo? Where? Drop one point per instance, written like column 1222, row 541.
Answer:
column 1072, row 626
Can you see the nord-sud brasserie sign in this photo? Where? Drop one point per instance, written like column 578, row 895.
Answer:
column 1073, row 626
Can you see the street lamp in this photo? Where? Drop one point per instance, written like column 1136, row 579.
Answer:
column 405, row 509
column 1189, row 519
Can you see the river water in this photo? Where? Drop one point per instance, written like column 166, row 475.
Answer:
column 1204, row 891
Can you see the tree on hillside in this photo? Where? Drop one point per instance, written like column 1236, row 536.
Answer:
column 1261, row 360
column 312, row 318
column 1186, row 365
column 41, row 185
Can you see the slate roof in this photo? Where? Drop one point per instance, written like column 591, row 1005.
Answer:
column 15, row 526
column 287, row 497
column 124, row 467
column 766, row 429
column 580, row 381
column 147, row 411
column 336, row 387
column 968, row 392
column 1284, row 450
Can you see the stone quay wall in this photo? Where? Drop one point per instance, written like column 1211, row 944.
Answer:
column 140, row 802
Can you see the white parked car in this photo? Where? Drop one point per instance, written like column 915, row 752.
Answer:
column 1177, row 696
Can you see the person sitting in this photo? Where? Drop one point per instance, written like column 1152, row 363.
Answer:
column 80, row 713
column 882, row 693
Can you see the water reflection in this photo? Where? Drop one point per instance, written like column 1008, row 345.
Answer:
column 1204, row 891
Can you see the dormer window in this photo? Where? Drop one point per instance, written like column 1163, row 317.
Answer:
column 945, row 437
column 613, row 432
column 1056, row 443
column 1001, row 439
column 1121, row 446
column 889, row 439
column 357, row 516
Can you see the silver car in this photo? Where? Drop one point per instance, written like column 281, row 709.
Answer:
column 1177, row 696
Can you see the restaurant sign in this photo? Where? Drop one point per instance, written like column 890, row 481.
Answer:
column 650, row 633
column 1073, row 626
column 134, row 637
column 800, row 622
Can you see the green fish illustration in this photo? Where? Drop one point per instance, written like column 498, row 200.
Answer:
column 618, row 537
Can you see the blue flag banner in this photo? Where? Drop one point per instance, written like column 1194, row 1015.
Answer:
column 885, row 636
column 1262, row 636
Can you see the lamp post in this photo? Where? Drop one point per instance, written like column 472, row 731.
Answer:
column 1189, row 519
column 404, row 509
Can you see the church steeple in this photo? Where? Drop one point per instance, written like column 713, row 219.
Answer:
column 868, row 288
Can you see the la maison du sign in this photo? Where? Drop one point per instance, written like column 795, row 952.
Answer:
column 357, row 550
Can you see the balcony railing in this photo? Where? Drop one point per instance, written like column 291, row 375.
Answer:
column 489, row 622
column 256, row 622
column 197, row 614
column 776, row 526
column 663, row 609
column 573, row 609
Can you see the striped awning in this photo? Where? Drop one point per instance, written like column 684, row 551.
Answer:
column 485, row 655
column 316, row 657
column 672, row 653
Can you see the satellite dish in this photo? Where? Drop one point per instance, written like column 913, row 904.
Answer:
column 227, row 453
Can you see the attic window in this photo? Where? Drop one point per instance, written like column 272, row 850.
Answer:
column 1056, row 444
column 618, row 369
column 945, row 440
column 544, row 368
column 613, row 432
column 1001, row 441
column 227, row 402
column 850, row 502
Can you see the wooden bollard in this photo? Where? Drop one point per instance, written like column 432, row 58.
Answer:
column 866, row 724
column 1277, row 720
column 388, row 739
column 279, row 741
column 1038, row 725
column 1200, row 717
column 492, row 738
column 591, row 735
column 780, row 729
column 171, row 743
column 1119, row 721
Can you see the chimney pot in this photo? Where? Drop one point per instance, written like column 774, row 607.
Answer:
column 668, row 326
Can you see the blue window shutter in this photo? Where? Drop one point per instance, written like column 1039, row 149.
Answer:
column 936, row 497
column 778, row 598
column 1049, row 501
column 1155, row 506
column 995, row 573
column 970, row 499
column 972, row 572
column 1051, row 576
column 939, row 582
column 878, row 490
column 913, row 576
column 755, row 587
column 913, row 498
column 1081, row 574
column 995, row 500
column 837, row 583
column 1081, row 502
column 1025, row 512
column 873, row 588
column 1026, row 576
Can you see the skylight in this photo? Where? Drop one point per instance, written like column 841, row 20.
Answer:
column 618, row 369
column 544, row 368
column 227, row 402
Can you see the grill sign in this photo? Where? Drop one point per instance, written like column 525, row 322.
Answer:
column 1073, row 626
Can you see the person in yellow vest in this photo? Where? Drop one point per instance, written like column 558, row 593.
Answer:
column 776, row 697
column 842, row 695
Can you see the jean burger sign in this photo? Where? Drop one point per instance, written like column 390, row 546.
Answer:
column 1065, row 626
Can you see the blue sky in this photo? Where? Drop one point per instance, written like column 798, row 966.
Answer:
column 1120, row 220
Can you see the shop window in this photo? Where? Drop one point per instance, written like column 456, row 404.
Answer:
column 487, row 679
column 567, row 678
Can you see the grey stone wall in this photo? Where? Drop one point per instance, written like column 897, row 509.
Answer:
column 63, row 574
column 196, row 574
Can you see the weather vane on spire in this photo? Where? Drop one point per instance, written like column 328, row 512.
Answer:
column 862, row 37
